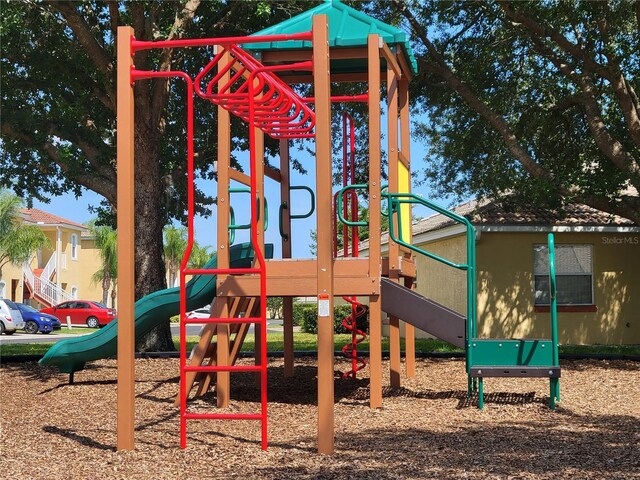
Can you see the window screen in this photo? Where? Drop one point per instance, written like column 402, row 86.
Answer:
column 574, row 274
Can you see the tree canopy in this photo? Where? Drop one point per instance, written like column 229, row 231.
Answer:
column 532, row 99
column 58, row 99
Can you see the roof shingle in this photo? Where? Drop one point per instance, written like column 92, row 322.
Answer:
column 37, row 216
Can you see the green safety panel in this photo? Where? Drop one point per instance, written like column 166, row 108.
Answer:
column 347, row 28
column 491, row 352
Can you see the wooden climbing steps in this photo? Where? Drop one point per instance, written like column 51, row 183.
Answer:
column 205, row 353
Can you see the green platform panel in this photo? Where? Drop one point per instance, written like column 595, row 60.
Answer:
column 492, row 352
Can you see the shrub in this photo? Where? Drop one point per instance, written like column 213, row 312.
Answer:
column 309, row 314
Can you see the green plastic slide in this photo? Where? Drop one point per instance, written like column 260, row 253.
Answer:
column 71, row 354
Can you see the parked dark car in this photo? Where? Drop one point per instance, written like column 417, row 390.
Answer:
column 35, row 321
column 82, row 312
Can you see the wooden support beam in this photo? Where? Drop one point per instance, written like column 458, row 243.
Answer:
column 287, row 302
column 126, row 229
column 236, row 175
column 272, row 173
column 288, row 56
column 375, row 305
column 405, row 156
column 390, row 57
column 335, row 78
column 221, row 307
column 394, row 186
column 324, row 215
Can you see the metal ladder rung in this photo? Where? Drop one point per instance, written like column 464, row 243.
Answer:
column 223, row 320
column 223, row 416
column 223, row 368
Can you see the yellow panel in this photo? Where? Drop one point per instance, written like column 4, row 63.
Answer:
column 404, row 186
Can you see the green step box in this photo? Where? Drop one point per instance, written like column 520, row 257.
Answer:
column 492, row 352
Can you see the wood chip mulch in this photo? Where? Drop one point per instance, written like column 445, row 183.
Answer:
column 428, row 428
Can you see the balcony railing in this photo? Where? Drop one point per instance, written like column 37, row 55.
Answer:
column 43, row 288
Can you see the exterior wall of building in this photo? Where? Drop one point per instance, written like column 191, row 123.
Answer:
column 506, row 287
column 71, row 272
column 87, row 265
column 11, row 282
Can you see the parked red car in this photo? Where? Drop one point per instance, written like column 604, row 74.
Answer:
column 82, row 312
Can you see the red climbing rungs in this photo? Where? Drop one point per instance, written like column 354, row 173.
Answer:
column 220, row 271
column 223, row 416
column 277, row 109
column 222, row 320
column 223, row 368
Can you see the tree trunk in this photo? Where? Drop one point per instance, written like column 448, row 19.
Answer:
column 114, row 294
column 150, row 269
column 106, row 283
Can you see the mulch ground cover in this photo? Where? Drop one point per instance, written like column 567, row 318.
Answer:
column 428, row 428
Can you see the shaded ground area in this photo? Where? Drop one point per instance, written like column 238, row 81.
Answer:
column 427, row 429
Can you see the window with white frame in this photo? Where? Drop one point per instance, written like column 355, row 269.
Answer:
column 74, row 292
column 74, row 246
column 574, row 274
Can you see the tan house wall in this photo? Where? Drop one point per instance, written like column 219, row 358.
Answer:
column 87, row 265
column 71, row 273
column 12, row 276
column 505, row 286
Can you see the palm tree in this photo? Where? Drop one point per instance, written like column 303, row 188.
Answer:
column 18, row 242
column 175, row 244
column 106, row 241
column 199, row 255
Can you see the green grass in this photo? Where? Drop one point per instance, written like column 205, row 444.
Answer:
column 308, row 342
column 73, row 331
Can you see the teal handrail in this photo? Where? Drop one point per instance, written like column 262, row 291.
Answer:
column 395, row 202
column 232, row 232
column 233, row 226
column 553, row 299
column 340, row 194
column 554, row 383
column 313, row 202
column 284, row 206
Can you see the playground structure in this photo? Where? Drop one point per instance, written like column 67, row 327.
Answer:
column 251, row 78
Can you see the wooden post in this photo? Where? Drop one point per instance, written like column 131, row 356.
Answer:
column 324, row 208
column 394, row 252
column 221, row 308
column 409, row 330
column 375, row 305
column 126, row 236
column 287, row 302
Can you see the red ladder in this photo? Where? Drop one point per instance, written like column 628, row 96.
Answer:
column 261, row 367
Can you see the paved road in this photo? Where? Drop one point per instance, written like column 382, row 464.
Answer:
column 273, row 326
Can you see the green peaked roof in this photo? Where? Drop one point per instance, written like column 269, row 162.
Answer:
column 347, row 28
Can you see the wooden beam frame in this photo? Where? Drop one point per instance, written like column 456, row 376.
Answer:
column 126, row 248
column 287, row 303
column 324, row 216
column 220, row 308
column 405, row 156
column 375, row 304
column 394, row 186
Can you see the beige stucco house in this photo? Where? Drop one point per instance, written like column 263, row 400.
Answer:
column 598, row 271
column 59, row 272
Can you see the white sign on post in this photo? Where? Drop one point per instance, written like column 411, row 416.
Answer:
column 323, row 305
